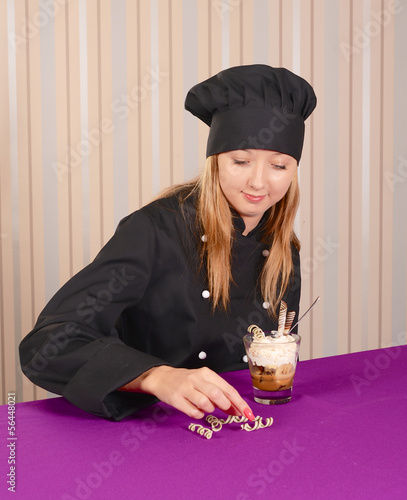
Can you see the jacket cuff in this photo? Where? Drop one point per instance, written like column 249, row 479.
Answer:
column 94, row 386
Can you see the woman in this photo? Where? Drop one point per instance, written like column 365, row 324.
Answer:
column 164, row 306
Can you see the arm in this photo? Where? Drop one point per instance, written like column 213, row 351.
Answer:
column 75, row 349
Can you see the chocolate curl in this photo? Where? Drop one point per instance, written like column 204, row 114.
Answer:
column 289, row 321
column 258, row 424
column 216, row 424
column 200, row 429
column 256, row 331
column 233, row 418
column 282, row 317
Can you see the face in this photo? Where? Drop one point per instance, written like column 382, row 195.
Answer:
column 253, row 180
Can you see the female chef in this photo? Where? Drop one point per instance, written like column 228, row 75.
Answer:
column 164, row 306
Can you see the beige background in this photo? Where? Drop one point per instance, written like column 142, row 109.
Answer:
column 93, row 125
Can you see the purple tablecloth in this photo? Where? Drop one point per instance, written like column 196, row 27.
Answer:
column 343, row 436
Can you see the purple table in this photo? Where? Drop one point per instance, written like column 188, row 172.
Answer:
column 343, row 436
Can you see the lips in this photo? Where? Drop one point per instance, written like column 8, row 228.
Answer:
column 254, row 199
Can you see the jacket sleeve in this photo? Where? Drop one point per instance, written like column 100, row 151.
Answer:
column 74, row 349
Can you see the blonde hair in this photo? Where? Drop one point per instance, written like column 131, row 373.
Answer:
column 215, row 220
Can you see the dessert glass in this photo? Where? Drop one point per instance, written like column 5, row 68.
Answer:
column 272, row 363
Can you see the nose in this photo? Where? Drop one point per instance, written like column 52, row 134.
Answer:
column 256, row 180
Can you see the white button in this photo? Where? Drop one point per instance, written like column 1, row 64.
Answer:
column 204, row 238
column 266, row 305
column 265, row 253
column 206, row 294
column 244, row 359
column 202, row 355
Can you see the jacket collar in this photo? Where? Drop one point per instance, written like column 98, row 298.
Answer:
column 239, row 225
column 238, row 222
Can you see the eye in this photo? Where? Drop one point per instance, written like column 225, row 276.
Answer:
column 240, row 162
column 279, row 167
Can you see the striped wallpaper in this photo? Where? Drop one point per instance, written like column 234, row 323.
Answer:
column 93, row 126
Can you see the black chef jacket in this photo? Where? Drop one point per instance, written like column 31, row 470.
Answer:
column 144, row 302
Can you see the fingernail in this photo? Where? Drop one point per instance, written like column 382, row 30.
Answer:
column 248, row 413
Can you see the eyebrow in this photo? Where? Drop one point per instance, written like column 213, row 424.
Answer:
column 273, row 153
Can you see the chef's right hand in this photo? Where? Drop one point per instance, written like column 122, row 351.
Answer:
column 192, row 391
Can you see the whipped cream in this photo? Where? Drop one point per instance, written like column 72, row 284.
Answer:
column 273, row 351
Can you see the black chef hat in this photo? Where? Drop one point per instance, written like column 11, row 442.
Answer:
column 253, row 107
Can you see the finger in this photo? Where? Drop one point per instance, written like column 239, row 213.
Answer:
column 237, row 405
column 201, row 398
column 241, row 406
column 192, row 411
column 232, row 410
column 186, row 406
column 223, row 396
column 208, row 395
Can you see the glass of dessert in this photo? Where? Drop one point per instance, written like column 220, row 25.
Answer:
column 272, row 361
